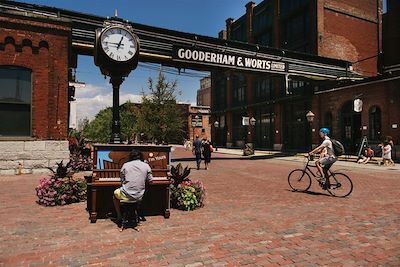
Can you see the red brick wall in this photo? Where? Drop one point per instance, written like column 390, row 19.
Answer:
column 45, row 47
column 392, row 33
column 385, row 94
column 348, row 30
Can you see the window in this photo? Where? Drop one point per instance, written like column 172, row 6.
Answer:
column 263, row 88
column 239, row 89
column 15, row 101
column 328, row 121
column 296, row 28
column 219, row 91
column 239, row 32
column 262, row 26
column 375, row 123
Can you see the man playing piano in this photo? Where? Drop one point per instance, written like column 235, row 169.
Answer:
column 134, row 175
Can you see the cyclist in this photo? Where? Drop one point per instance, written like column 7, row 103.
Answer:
column 327, row 159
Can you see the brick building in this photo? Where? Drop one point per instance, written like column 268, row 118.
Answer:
column 33, row 95
column 204, row 93
column 332, row 28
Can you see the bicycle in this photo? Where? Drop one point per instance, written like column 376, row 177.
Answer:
column 300, row 180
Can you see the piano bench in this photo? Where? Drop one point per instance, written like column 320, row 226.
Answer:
column 130, row 210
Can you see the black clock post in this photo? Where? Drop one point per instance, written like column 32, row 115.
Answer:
column 117, row 54
column 116, row 82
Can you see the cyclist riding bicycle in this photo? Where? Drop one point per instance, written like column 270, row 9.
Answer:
column 327, row 159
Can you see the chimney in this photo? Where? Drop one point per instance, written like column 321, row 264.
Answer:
column 229, row 23
column 249, row 21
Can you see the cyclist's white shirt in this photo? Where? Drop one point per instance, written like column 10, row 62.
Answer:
column 328, row 144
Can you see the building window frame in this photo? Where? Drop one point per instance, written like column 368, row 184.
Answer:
column 375, row 123
column 15, row 101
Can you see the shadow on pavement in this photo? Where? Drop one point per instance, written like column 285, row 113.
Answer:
column 311, row 193
column 239, row 157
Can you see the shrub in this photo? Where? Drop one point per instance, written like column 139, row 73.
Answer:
column 188, row 195
column 81, row 163
column 61, row 188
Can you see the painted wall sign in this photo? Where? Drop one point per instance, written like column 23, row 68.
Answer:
column 197, row 121
column 220, row 59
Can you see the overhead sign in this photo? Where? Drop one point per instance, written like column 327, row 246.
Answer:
column 220, row 59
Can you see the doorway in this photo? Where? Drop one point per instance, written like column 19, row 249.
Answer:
column 350, row 127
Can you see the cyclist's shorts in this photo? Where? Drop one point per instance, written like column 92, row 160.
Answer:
column 327, row 162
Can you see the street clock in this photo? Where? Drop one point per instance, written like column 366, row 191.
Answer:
column 116, row 49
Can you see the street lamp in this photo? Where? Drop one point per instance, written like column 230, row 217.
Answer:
column 310, row 118
column 216, row 126
column 252, row 121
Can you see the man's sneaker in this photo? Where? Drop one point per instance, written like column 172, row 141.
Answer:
column 326, row 186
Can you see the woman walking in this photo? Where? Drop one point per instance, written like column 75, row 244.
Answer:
column 206, row 152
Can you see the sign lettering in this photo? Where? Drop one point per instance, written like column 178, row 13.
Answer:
column 227, row 60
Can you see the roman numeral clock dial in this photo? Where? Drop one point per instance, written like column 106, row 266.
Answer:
column 118, row 44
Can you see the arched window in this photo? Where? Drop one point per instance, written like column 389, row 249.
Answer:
column 239, row 89
column 328, row 121
column 15, row 101
column 375, row 123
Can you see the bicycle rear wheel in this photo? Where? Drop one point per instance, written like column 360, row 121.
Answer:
column 299, row 180
column 340, row 185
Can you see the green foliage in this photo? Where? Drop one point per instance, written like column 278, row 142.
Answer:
column 61, row 188
column 128, row 120
column 99, row 129
column 159, row 117
column 179, row 174
column 188, row 195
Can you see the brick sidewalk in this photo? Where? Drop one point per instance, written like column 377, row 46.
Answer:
column 250, row 218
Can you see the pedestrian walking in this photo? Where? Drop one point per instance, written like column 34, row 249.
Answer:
column 197, row 149
column 206, row 144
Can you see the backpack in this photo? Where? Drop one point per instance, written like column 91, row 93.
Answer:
column 338, row 148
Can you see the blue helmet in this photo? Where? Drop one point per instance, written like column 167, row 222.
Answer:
column 324, row 130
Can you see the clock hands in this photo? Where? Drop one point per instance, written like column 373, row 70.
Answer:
column 117, row 44
column 120, row 41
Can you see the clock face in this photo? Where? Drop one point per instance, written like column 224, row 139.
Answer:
column 118, row 43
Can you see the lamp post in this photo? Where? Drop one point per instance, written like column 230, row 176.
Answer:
column 216, row 126
column 310, row 118
column 252, row 123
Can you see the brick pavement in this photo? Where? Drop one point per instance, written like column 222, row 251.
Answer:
column 250, row 218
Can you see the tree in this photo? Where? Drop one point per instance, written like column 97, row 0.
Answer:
column 159, row 117
column 128, row 120
column 99, row 129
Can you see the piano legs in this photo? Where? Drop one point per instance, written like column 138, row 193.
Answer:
column 93, row 213
column 167, row 203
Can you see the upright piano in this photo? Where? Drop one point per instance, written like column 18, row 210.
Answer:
column 107, row 162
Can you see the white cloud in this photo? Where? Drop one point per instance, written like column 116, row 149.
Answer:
column 91, row 99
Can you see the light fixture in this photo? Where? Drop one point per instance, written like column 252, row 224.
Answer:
column 310, row 116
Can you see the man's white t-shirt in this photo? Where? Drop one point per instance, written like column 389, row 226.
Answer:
column 134, row 175
column 329, row 147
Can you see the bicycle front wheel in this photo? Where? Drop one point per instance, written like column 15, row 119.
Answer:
column 299, row 180
column 340, row 185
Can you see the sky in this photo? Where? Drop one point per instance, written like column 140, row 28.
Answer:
column 203, row 17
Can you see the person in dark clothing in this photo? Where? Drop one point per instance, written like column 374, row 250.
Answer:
column 206, row 152
column 197, row 147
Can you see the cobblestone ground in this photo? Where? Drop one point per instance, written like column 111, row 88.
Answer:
column 250, row 218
